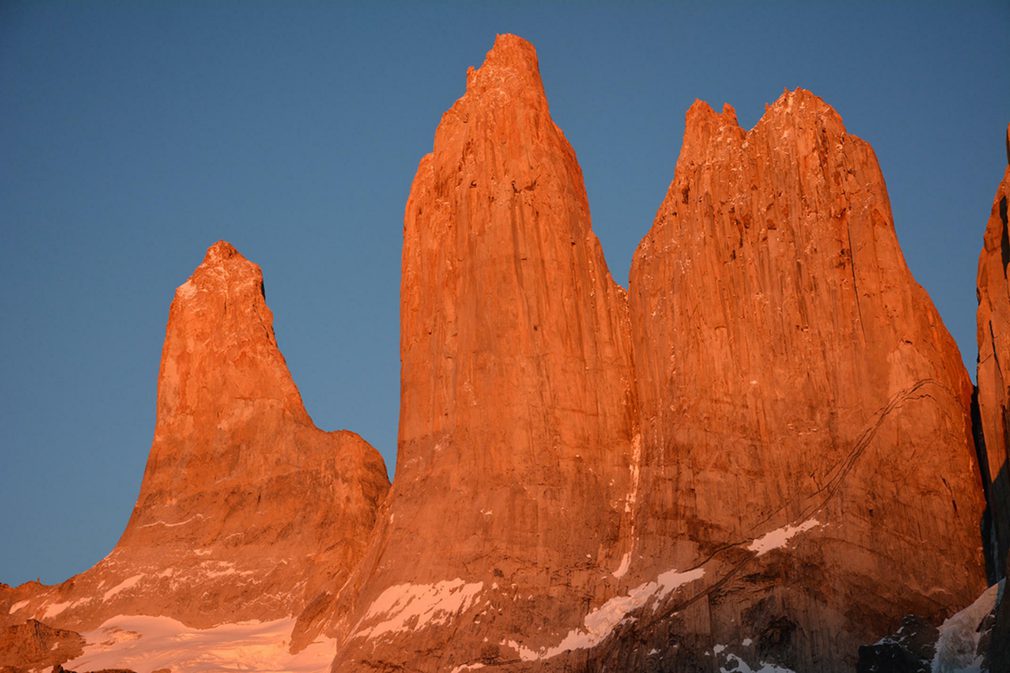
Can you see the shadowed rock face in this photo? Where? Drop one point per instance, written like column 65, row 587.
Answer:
column 246, row 509
column 994, row 394
column 517, row 411
column 794, row 377
column 35, row 645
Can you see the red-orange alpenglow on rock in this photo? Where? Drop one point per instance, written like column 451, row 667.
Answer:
column 517, row 415
column 805, row 476
column 246, row 510
column 762, row 458
column 807, row 440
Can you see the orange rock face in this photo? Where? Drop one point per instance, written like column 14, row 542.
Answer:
column 779, row 469
column 246, row 509
column 762, row 457
column 994, row 390
column 517, row 409
column 807, row 439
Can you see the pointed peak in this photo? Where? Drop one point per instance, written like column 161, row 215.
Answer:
column 222, row 267
column 513, row 49
column 702, row 125
column 221, row 251
column 510, row 68
column 701, row 114
column 1008, row 144
column 800, row 103
column 699, row 110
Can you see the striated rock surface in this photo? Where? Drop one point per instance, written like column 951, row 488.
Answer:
column 517, row 424
column 764, row 460
column 807, row 440
column 994, row 394
column 246, row 509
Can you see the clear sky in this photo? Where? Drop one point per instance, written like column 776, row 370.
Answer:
column 135, row 134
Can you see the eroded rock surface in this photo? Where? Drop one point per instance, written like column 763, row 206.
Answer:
column 797, row 386
column 517, row 411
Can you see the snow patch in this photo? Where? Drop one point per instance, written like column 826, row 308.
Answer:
column 634, row 468
column 601, row 621
column 409, row 607
column 959, row 636
column 17, row 606
column 780, row 537
column 128, row 583
column 148, row 643
column 738, row 665
column 622, row 569
column 55, row 609
column 467, row 667
column 215, row 569
column 187, row 290
column 173, row 525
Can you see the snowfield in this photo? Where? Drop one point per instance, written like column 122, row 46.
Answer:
column 145, row 644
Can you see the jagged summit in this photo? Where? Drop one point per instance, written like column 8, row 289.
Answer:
column 220, row 250
column 787, row 365
column 510, row 70
column 797, row 109
column 798, row 102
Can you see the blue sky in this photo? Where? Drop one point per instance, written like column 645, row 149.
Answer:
column 135, row 134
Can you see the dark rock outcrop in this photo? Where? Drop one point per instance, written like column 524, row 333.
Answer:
column 994, row 397
column 34, row 645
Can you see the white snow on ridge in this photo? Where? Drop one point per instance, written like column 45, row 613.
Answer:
column 959, row 636
column 738, row 665
column 467, row 667
column 128, row 583
column 17, row 606
column 780, row 537
column 622, row 569
column 601, row 621
column 409, row 607
column 187, row 290
column 148, row 643
column 55, row 609
column 173, row 525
